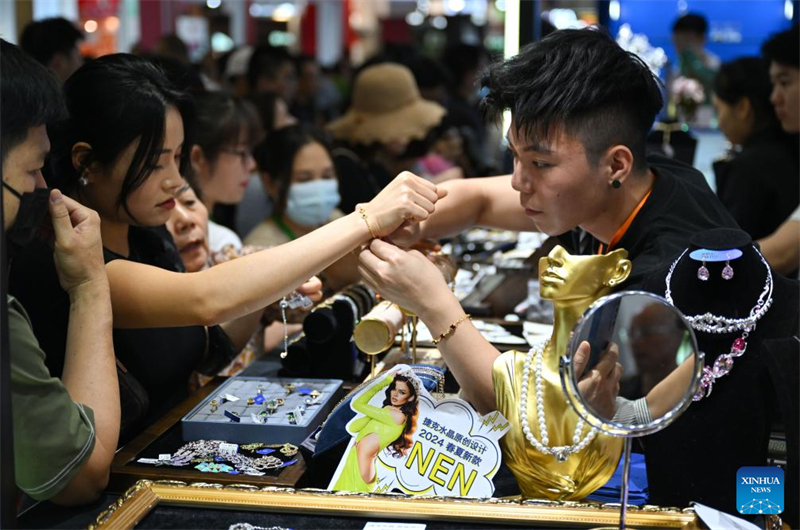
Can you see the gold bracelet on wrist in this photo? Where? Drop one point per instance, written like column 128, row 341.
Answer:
column 363, row 214
column 449, row 331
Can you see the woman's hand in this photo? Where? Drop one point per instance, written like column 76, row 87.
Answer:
column 312, row 288
column 407, row 278
column 407, row 199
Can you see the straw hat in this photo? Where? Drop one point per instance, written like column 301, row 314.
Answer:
column 386, row 107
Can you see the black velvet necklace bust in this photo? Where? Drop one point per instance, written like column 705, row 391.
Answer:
column 697, row 457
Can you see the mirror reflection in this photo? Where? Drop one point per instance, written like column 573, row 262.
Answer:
column 634, row 360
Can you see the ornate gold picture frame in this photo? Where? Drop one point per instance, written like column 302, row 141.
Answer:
column 140, row 499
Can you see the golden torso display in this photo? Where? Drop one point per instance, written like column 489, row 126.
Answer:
column 573, row 283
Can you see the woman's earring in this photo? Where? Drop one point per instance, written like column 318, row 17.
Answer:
column 702, row 272
column 83, row 181
column 727, row 272
column 616, row 184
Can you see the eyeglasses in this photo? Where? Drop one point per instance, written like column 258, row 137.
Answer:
column 243, row 154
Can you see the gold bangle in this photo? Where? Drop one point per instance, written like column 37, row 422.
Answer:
column 363, row 213
column 449, row 331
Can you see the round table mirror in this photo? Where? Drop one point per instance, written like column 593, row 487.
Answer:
column 632, row 367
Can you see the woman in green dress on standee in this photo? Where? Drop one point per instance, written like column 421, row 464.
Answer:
column 391, row 425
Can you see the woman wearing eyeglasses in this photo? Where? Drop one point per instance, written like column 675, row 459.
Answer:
column 222, row 160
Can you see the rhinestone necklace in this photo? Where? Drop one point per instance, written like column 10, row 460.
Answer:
column 710, row 323
column 562, row 452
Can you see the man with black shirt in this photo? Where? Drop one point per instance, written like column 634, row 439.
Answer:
column 581, row 108
column 782, row 247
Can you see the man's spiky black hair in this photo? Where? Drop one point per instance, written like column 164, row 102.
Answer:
column 583, row 82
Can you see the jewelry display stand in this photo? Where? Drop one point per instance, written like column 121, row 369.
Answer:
column 248, row 409
column 165, row 437
column 686, row 461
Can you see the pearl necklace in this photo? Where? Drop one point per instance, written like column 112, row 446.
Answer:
column 563, row 452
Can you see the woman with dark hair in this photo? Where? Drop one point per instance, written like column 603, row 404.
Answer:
column 221, row 158
column 388, row 427
column 120, row 152
column 298, row 173
column 757, row 180
column 256, row 204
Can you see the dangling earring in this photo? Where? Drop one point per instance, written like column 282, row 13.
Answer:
column 727, row 272
column 702, row 272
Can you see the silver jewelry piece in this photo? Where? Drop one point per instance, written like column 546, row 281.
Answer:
column 710, row 323
column 208, row 449
column 284, row 304
column 83, row 181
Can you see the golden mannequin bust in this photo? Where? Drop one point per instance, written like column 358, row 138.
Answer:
column 572, row 283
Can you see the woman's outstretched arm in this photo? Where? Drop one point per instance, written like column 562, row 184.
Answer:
column 145, row 296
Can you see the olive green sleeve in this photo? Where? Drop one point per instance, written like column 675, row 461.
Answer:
column 53, row 435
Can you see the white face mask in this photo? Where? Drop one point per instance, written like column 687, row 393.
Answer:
column 311, row 203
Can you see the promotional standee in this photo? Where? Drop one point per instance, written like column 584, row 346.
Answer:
column 403, row 439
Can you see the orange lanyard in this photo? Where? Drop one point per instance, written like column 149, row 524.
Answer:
column 627, row 224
